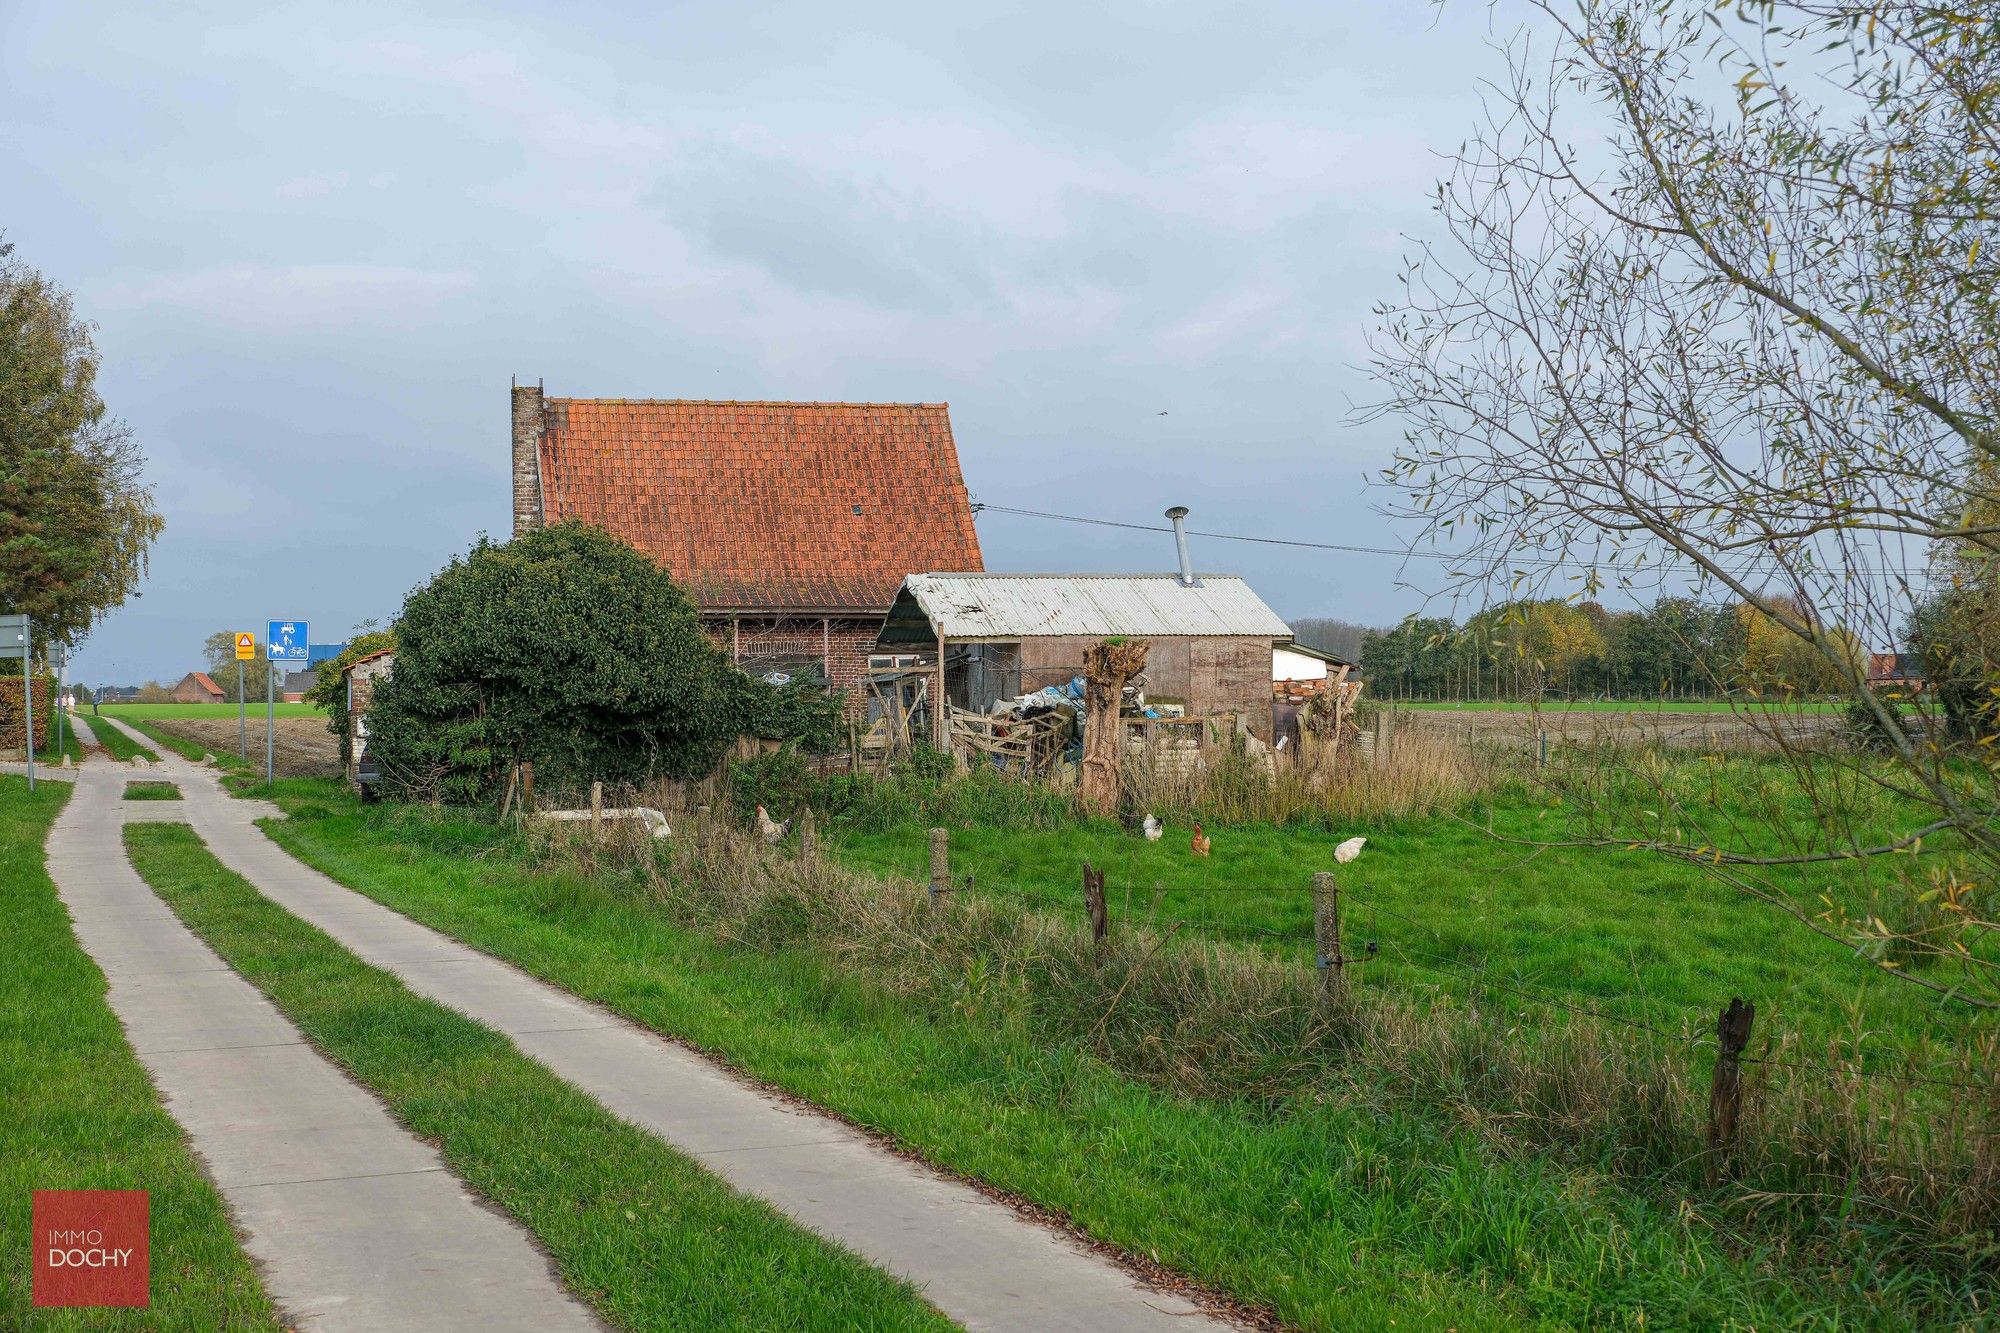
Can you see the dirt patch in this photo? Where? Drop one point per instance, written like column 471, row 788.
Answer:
column 1689, row 730
column 304, row 747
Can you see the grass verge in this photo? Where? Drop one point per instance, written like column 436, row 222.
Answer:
column 641, row 1231
column 77, row 1112
column 1336, row 1211
column 120, row 746
column 152, row 791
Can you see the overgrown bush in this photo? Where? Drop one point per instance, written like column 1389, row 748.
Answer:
column 564, row 647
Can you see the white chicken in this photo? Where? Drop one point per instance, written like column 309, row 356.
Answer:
column 1348, row 850
column 1152, row 828
column 769, row 829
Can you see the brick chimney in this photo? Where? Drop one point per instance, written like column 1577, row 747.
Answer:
column 529, row 427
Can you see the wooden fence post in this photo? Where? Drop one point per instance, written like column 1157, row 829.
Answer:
column 596, row 808
column 940, row 868
column 528, row 786
column 1093, row 902
column 808, row 839
column 507, row 801
column 1725, row 1090
column 1326, row 940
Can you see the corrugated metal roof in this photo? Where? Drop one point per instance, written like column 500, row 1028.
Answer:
column 1025, row 606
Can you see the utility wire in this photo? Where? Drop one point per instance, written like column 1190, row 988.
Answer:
column 1404, row 552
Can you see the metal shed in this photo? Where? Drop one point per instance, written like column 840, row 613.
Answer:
column 996, row 636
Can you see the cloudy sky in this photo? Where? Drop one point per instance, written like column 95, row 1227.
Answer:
column 318, row 240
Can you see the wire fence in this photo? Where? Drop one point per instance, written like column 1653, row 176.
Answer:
column 1478, row 975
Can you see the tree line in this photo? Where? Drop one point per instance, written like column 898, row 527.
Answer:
column 1678, row 648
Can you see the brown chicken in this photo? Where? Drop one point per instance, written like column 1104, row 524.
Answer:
column 1198, row 844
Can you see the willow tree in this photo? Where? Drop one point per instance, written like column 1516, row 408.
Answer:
column 1712, row 305
column 76, row 521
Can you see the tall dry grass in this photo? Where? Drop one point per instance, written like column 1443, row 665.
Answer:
column 1422, row 771
column 1826, row 1151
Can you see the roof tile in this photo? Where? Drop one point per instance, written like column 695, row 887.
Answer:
column 751, row 505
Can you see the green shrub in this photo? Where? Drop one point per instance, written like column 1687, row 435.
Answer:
column 780, row 781
column 565, row 647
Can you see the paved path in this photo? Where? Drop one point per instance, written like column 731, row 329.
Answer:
column 977, row 1260
column 355, row 1222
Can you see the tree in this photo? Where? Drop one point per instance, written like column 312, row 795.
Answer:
column 219, row 651
column 1748, row 345
column 564, row 647
column 76, row 523
column 1413, row 660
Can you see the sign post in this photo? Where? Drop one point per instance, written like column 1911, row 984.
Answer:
column 14, row 639
column 59, row 659
column 284, row 641
column 246, row 648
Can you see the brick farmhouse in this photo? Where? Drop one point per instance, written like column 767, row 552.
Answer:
column 792, row 525
column 197, row 687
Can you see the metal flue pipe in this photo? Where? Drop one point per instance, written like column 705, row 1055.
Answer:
column 1177, row 514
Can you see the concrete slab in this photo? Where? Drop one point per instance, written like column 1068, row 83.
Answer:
column 332, row 1230
column 282, row 1113
column 975, row 1258
column 357, row 1224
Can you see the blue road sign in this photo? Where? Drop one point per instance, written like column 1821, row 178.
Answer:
column 287, row 641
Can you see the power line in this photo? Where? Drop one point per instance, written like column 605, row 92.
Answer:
column 1403, row 552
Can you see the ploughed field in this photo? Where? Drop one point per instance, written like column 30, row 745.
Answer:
column 303, row 748
column 1692, row 725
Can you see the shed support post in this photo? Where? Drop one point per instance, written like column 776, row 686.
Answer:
column 940, row 707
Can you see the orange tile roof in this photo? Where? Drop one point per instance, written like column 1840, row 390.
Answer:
column 778, row 506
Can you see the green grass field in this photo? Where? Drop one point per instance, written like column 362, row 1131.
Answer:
column 1337, row 1212
column 638, row 1229
column 160, row 712
column 1450, row 908
column 152, row 791
column 77, row 1112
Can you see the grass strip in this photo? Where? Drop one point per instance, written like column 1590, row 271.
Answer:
column 77, row 1112
column 1336, row 1216
column 640, row 1230
column 152, row 791
column 47, row 734
column 120, row 746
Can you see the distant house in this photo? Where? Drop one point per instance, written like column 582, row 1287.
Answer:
column 791, row 525
column 1896, row 671
column 116, row 694
column 1297, row 669
column 296, row 685
column 989, row 637
column 197, row 687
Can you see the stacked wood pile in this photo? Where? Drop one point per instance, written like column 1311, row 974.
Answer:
column 1023, row 747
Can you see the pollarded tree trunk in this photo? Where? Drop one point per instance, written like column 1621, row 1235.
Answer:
column 1107, row 666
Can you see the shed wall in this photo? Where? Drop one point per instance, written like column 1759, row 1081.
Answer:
column 1209, row 676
